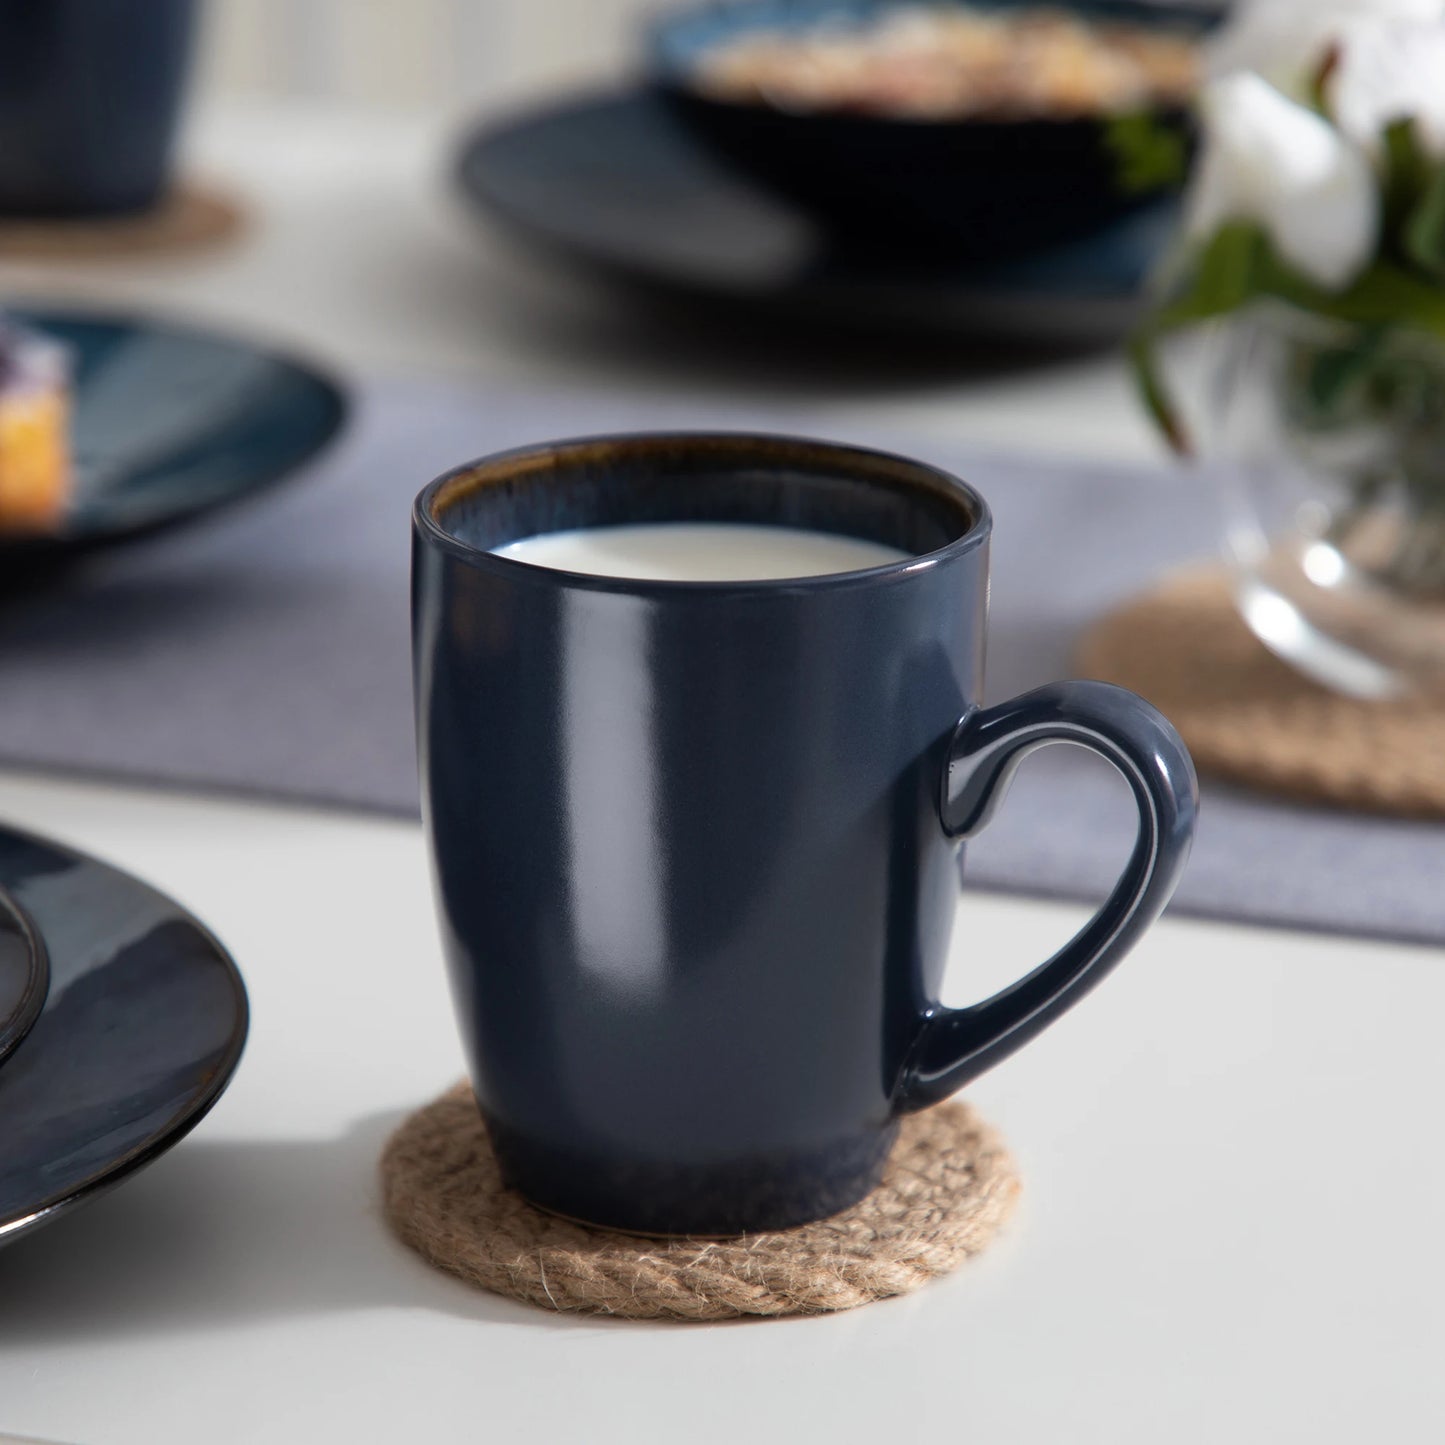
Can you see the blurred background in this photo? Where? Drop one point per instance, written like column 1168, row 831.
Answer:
column 335, row 128
column 431, row 56
column 347, row 243
column 419, row 55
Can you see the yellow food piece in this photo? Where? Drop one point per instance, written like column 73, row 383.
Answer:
column 34, row 459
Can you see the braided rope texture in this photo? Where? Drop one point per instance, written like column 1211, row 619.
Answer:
column 949, row 1185
column 193, row 217
column 1250, row 719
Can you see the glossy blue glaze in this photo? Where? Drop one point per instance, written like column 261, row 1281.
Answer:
column 956, row 1045
column 692, row 841
column 24, row 974
column 143, row 1026
column 90, row 92
column 169, row 423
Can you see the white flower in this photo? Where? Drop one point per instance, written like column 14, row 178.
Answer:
column 1271, row 161
column 1285, row 40
column 1390, row 71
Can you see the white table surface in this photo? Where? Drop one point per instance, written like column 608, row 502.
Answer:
column 1231, row 1228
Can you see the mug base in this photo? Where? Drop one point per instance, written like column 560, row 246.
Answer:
column 749, row 1195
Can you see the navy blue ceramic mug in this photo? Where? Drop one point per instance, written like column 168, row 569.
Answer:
column 90, row 95
column 695, row 843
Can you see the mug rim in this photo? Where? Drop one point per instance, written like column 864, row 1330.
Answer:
column 432, row 497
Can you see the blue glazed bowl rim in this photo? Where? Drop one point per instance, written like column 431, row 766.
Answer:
column 429, row 502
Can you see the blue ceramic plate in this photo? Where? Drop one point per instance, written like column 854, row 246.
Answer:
column 170, row 423
column 141, row 1030
column 24, row 974
column 618, row 184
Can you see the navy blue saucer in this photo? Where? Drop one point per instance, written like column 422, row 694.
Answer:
column 170, row 423
column 24, row 974
column 617, row 184
column 142, row 1028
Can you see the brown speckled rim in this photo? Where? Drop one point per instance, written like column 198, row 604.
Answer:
column 928, row 485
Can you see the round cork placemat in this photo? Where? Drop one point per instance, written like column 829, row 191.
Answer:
column 1249, row 718
column 191, row 217
column 949, row 1185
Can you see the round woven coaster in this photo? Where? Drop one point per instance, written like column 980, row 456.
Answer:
column 949, row 1184
column 1250, row 719
column 192, row 217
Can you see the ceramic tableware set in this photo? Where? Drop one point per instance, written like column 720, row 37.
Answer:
column 1007, row 228
column 695, row 837
column 121, row 1018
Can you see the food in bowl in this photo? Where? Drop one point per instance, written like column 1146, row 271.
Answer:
column 35, row 470
column 948, row 134
column 956, row 62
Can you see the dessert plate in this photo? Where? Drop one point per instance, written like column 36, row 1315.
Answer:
column 617, row 184
column 169, row 423
column 140, row 1032
column 24, row 975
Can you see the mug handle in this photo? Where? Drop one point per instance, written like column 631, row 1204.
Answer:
column 956, row 1045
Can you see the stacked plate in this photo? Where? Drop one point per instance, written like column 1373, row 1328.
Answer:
column 121, row 1021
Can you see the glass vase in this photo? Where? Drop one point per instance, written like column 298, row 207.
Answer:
column 1329, row 446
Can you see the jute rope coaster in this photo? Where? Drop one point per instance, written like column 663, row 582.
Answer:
column 1250, row 719
column 192, row 217
column 948, row 1187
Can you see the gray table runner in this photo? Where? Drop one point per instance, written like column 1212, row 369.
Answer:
column 267, row 652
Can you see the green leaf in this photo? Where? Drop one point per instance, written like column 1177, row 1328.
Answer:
column 1407, row 174
column 1228, row 273
column 1155, row 395
column 1225, row 276
column 1239, row 267
column 1149, row 153
column 1332, row 371
column 1424, row 228
column 1318, row 84
column 1385, row 295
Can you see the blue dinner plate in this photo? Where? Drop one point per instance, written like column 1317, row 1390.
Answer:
column 171, row 422
column 24, row 974
column 141, row 1030
column 617, row 184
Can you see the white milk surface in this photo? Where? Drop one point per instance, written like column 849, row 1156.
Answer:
column 700, row 552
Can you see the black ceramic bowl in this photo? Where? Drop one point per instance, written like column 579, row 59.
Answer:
column 974, row 188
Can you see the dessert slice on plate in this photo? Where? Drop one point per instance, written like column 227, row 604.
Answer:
column 35, row 471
